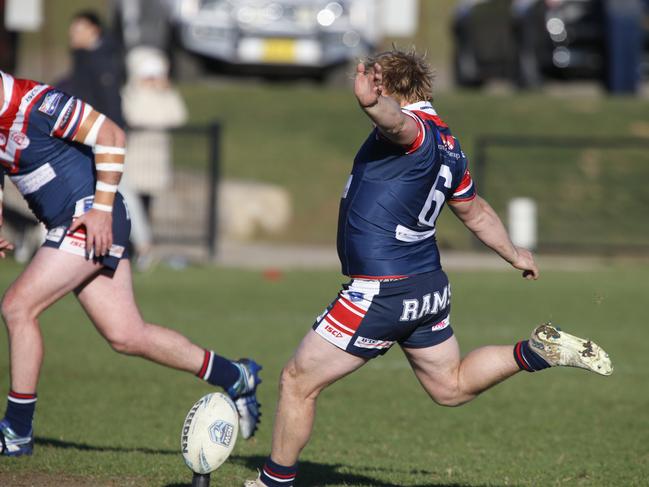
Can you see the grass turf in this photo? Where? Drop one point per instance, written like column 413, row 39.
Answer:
column 105, row 419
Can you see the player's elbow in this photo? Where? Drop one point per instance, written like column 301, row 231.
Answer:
column 111, row 135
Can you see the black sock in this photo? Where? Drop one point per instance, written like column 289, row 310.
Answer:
column 20, row 412
column 276, row 475
column 527, row 359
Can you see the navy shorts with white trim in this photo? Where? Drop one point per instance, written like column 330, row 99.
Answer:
column 75, row 243
column 369, row 316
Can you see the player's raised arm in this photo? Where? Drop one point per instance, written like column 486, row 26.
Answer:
column 383, row 109
column 479, row 217
column 108, row 142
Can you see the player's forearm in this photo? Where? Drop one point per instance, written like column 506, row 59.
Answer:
column 110, row 151
column 489, row 229
column 108, row 143
column 389, row 119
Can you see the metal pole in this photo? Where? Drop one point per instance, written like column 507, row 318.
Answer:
column 201, row 480
column 215, row 169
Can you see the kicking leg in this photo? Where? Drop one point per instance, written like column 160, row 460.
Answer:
column 450, row 381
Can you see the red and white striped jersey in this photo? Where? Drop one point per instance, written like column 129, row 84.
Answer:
column 37, row 125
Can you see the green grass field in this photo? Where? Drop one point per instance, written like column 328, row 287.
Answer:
column 104, row 419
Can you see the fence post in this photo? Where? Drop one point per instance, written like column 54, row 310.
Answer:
column 214, row 132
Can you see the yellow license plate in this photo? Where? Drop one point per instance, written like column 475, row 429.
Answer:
column 279, row 51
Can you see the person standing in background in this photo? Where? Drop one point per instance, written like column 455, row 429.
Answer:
column 624, row 44
column 97, row 69
column 151, row 107
column 97, row 76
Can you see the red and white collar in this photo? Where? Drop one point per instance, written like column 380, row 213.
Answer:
column 424, row 106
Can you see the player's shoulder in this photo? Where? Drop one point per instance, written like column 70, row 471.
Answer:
column 22, row 92
column 425, row 112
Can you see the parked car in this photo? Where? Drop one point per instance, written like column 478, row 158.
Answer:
column 527, row 41
column 268, row 36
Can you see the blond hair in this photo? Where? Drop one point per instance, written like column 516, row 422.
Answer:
column 407, row 76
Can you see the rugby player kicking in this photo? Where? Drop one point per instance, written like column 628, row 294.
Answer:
column 407, row 168
column 67, row 159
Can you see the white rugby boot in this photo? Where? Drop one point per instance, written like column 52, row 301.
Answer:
column 557, row 347
column 254, row 483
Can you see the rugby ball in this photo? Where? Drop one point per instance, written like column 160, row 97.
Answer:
column 209, row 433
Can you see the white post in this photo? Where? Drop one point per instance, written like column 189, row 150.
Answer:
column 24, row 15
column 523, row 222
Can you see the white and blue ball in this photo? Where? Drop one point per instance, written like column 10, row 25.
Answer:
column 209, row 433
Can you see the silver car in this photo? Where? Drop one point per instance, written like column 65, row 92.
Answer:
column 314, row 36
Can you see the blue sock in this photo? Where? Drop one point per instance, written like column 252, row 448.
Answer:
column 527, row 359
column 219, row 371
column 276, row 475
column 20, row 412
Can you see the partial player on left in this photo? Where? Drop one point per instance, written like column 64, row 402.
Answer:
column 67, row 159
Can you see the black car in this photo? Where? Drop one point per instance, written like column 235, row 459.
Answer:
column 528, row 40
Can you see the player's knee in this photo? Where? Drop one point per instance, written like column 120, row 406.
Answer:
column 288, row 378
column 447, row 394
column 291, row 382
column 126, row 343
column 449, row 399
column 13, row 309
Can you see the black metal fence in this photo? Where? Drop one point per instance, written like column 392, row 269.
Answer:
column 591, row 191
column 184, row 216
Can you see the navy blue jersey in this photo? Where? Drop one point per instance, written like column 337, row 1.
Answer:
column 386, row 225
column 37, row 125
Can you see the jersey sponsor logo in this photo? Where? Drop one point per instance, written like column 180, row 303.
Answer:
column 448, row 141
column 449, row 152
column 355, row 296
column 332, row 331
column 31, row 182
column 116, row 251
column 50, row 103
column 83, row 205
column 363, row 342
column 430, row 304
column 441, row 325
column 55, row 234
column 75, row 244
column 21, row 140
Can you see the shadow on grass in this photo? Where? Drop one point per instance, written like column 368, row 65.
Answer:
column 311, row 474
column 322, row 474
column 71, row 445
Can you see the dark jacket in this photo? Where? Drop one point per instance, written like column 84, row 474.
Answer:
column 97, row 77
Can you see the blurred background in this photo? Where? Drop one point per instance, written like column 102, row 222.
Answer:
column 242, row 124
